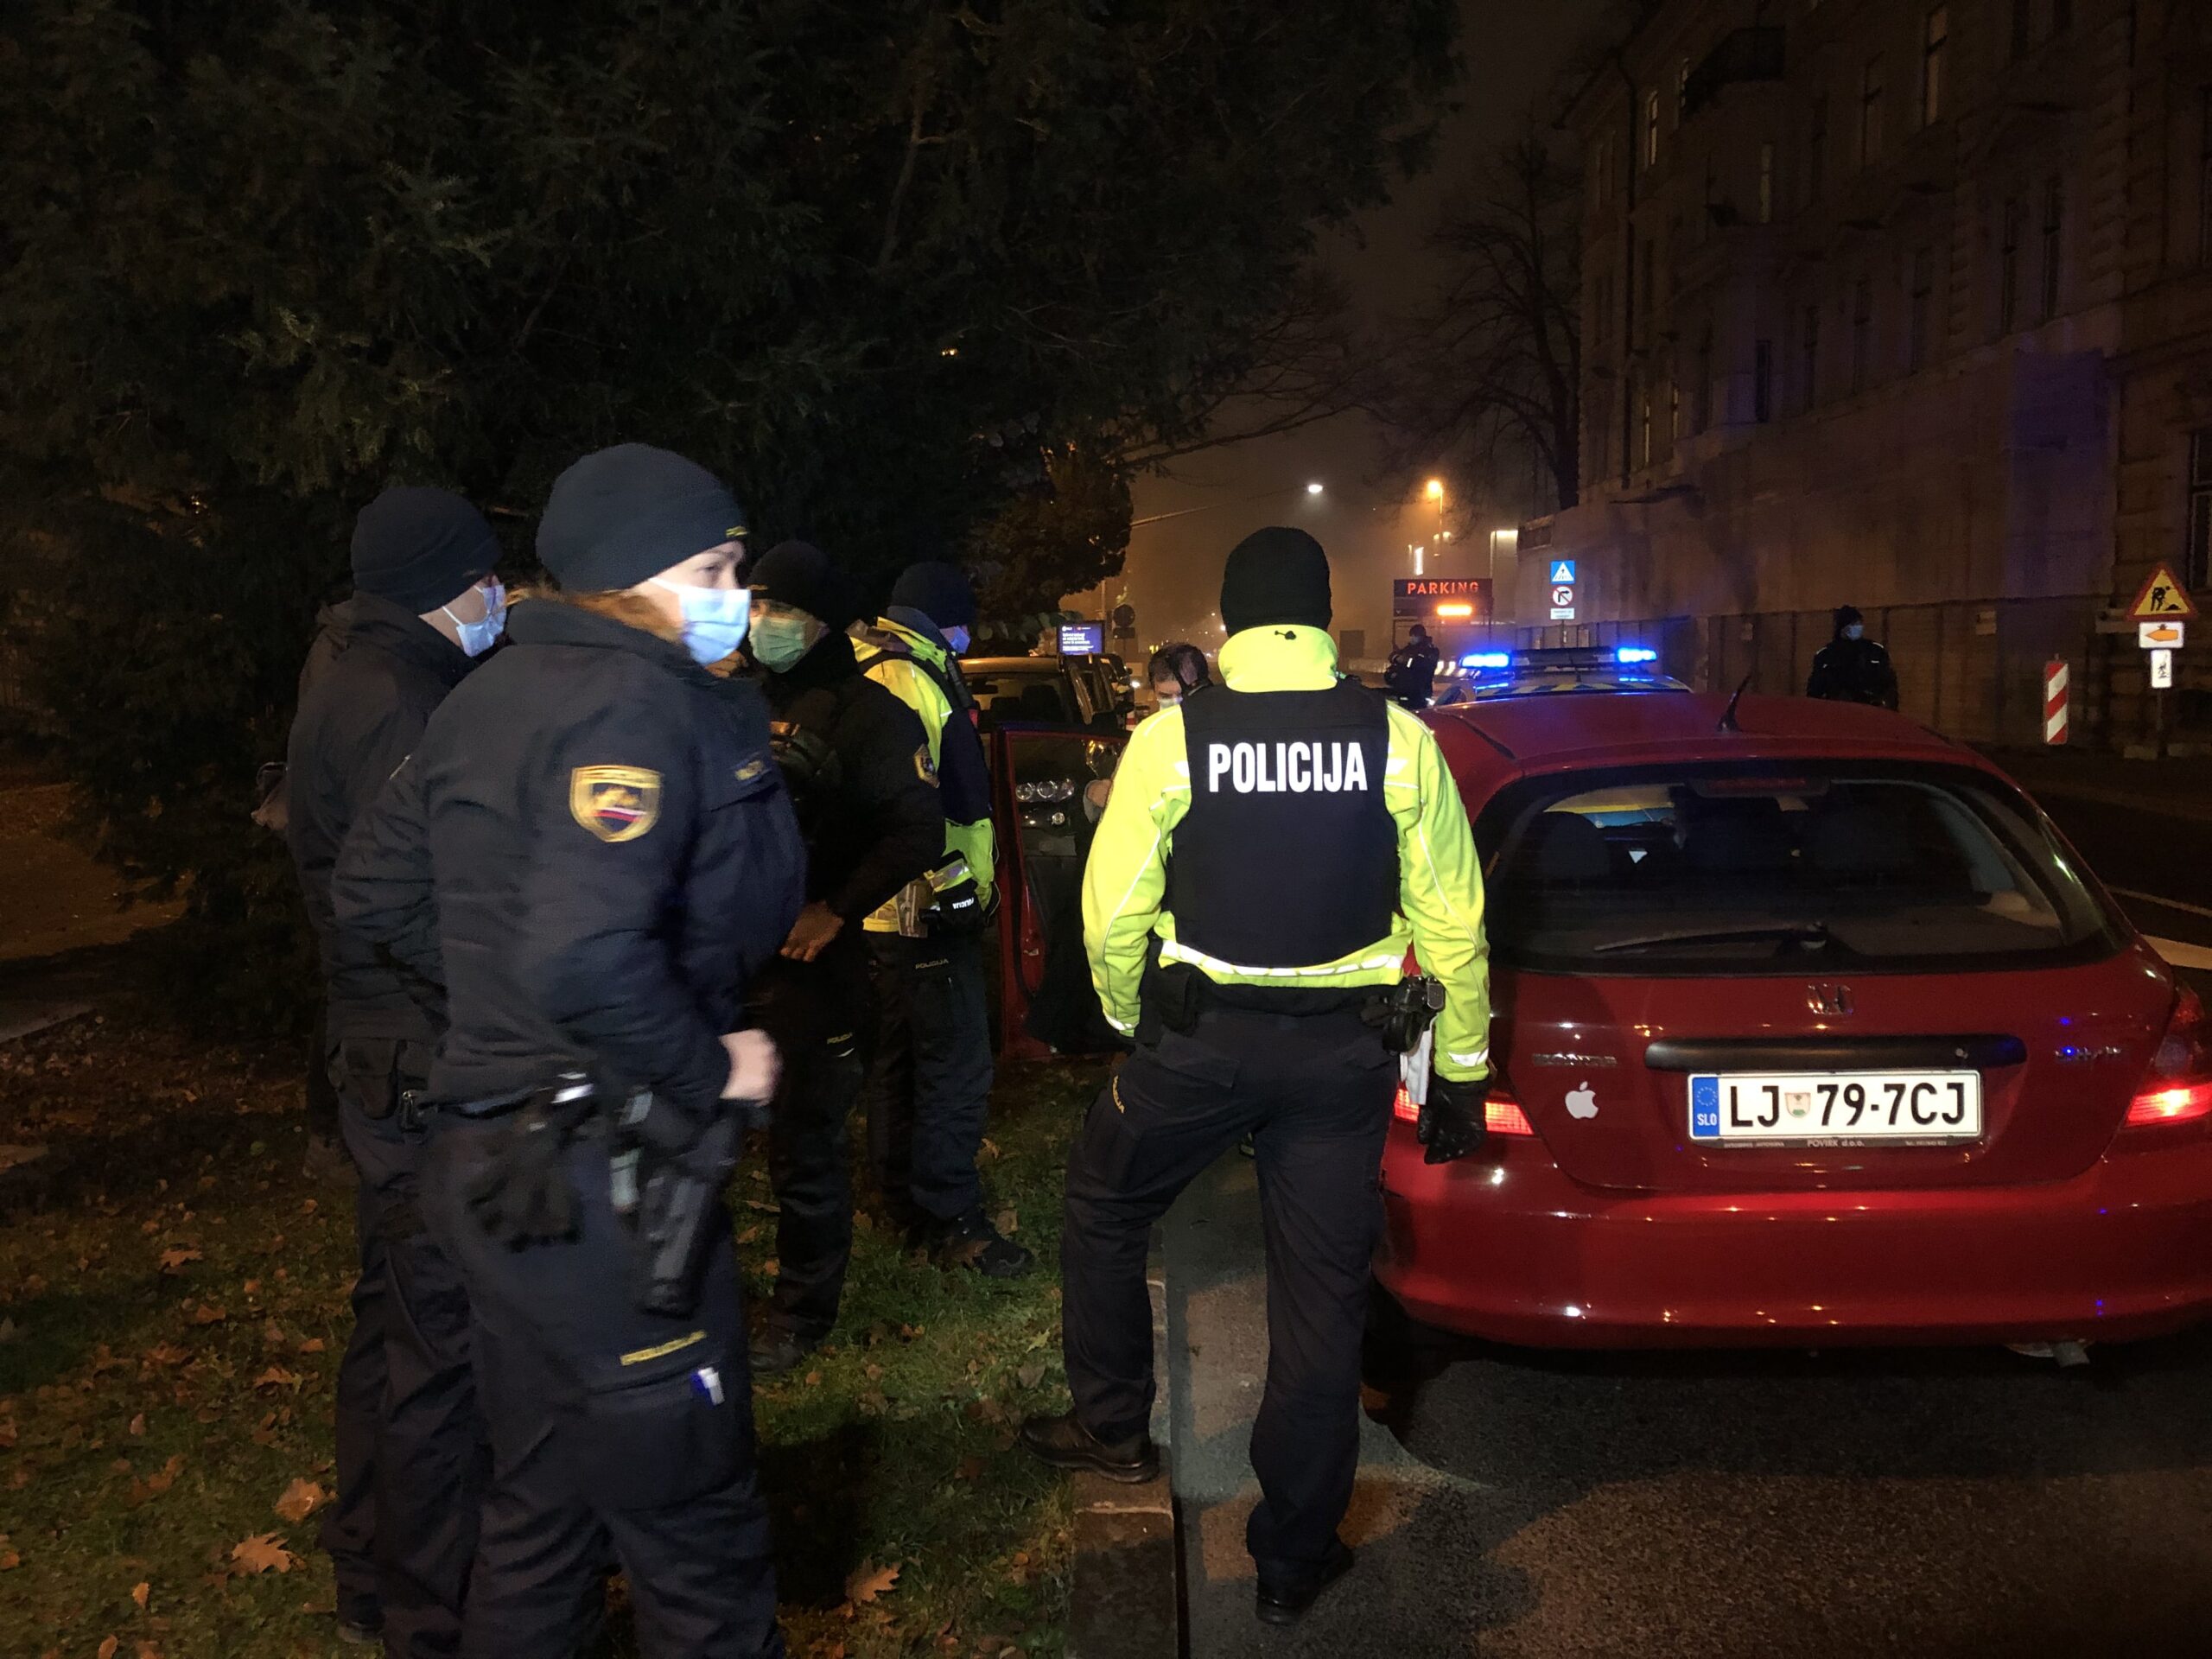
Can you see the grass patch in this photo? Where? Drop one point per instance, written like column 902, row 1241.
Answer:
column 173, row 1308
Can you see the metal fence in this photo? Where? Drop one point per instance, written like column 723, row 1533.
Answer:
column 1970, row 669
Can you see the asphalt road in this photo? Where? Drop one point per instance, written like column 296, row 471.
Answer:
column 1941, row 1504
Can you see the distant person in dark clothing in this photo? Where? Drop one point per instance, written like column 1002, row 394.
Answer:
column 1411, row 677
column 1851, row 668
column 1176, row 670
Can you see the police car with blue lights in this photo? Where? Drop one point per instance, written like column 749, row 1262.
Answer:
column 1486, row 676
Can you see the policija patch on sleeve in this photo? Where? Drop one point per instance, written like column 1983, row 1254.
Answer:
column 614, row 803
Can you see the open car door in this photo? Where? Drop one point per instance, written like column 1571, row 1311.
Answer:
column 1038, row 777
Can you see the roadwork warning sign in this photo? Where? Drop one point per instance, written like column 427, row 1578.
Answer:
column 2163, row 599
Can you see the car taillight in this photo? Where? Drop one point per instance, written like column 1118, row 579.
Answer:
column 1501, row 1113
column 2177, row 1089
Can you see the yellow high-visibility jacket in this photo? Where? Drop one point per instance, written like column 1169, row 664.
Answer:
column 1439, row 878
column 968, row 830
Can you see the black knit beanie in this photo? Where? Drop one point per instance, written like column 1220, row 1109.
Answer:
column 1277, row 576
column 619, row 516
column 801, row 575
column 421, row 548
column 939, row 591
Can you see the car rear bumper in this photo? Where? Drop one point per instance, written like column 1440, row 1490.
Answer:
column 1507, row 1247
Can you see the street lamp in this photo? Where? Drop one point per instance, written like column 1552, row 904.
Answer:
column 1435, row 492
column 1314, row 488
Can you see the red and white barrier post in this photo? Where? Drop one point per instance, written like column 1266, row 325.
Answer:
column 2055, row 699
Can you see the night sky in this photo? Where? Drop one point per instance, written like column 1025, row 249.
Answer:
column 1514, row 55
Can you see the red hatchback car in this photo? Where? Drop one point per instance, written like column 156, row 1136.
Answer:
column 1810, row 1030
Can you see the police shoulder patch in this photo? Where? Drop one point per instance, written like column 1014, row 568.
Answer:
column 614, row 803
column 923, row 769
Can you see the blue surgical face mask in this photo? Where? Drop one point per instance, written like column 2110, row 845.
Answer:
column 1855, row 630
column 477, row 638
column 714, row 619
column 957, row 639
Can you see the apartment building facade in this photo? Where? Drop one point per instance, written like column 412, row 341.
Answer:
column 1906, row 305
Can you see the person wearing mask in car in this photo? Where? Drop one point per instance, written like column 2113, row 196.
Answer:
column 928, row 1086
column 858, row 768
column 1272, row 850
column 593, row 849
column 1176, row 670
column 403, row 1530
column 1851, row 668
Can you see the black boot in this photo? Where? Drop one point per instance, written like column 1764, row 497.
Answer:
column 1283, row 1600
column 1067, row 1444
column 779, row 1348
column 973, row 1242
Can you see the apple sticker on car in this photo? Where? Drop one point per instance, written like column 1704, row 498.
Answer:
column 1581, row 1102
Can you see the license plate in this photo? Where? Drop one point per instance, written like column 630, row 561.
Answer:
column 1835, row 1107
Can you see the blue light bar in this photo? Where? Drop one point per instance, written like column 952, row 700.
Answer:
column 1636, row 654
column 1487, row 659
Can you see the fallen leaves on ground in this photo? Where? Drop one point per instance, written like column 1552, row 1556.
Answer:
column 264, row 1552
column 108, row 1647
column 209, row 1313
column 1008, row 1221
column 300, row 1499
column 154, row 1484
column 868, row 1581
column 1031, row 1375
column 138, row 1425
column 9, row 1559
column 141, row 1593
column 176, row 1255
column 277, row 1377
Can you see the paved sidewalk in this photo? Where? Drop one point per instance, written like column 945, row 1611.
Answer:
column 2173, row 788
column 1405, row 1516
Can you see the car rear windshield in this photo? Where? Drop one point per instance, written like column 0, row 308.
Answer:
column 1033, row 692
column 1782, row 868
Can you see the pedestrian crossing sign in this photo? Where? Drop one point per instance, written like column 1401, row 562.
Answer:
column 1562, row 570
column 2163, row 598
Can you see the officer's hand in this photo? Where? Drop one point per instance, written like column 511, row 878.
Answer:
column 754, row 1065
column 817, row 926
column 1452, row 1123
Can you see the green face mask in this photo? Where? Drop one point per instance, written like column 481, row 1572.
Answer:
column 780, row 639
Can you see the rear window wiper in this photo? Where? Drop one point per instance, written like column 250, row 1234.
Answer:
column 1781, row 932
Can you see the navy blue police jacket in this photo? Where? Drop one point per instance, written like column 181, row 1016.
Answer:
column 592, row 850
column 377, row 674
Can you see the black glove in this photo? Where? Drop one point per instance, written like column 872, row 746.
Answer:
column 522, row 1196
column 1452, row 1123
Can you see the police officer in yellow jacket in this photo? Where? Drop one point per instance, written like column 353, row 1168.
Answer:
column 1272, row 848
column 929, row 1085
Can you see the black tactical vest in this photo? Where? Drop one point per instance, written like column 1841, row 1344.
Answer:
column 1288, row 857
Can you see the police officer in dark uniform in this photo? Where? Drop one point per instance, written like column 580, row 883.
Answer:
column 592, row 844
column 1851, row 668
column 403, row 1531
column 857, row 765
column 1272, row 848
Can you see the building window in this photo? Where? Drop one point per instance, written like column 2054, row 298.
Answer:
column 2204, row 177
column 1681, row 90
column 2023, row 16
column 1701, row 392
column 1766, row 184
column 1870, row 112
column 1808, row 346
column 1643, row 428
column 1862, row 332
column 1923, row 300
column 2008, row 269
column 1674, row 407
column 1651, row 129
column 1816, row 150
column 1651, row 277
column 2198, row 557
column 1763, row 380
column 1935, row 39
column 2054, row 220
